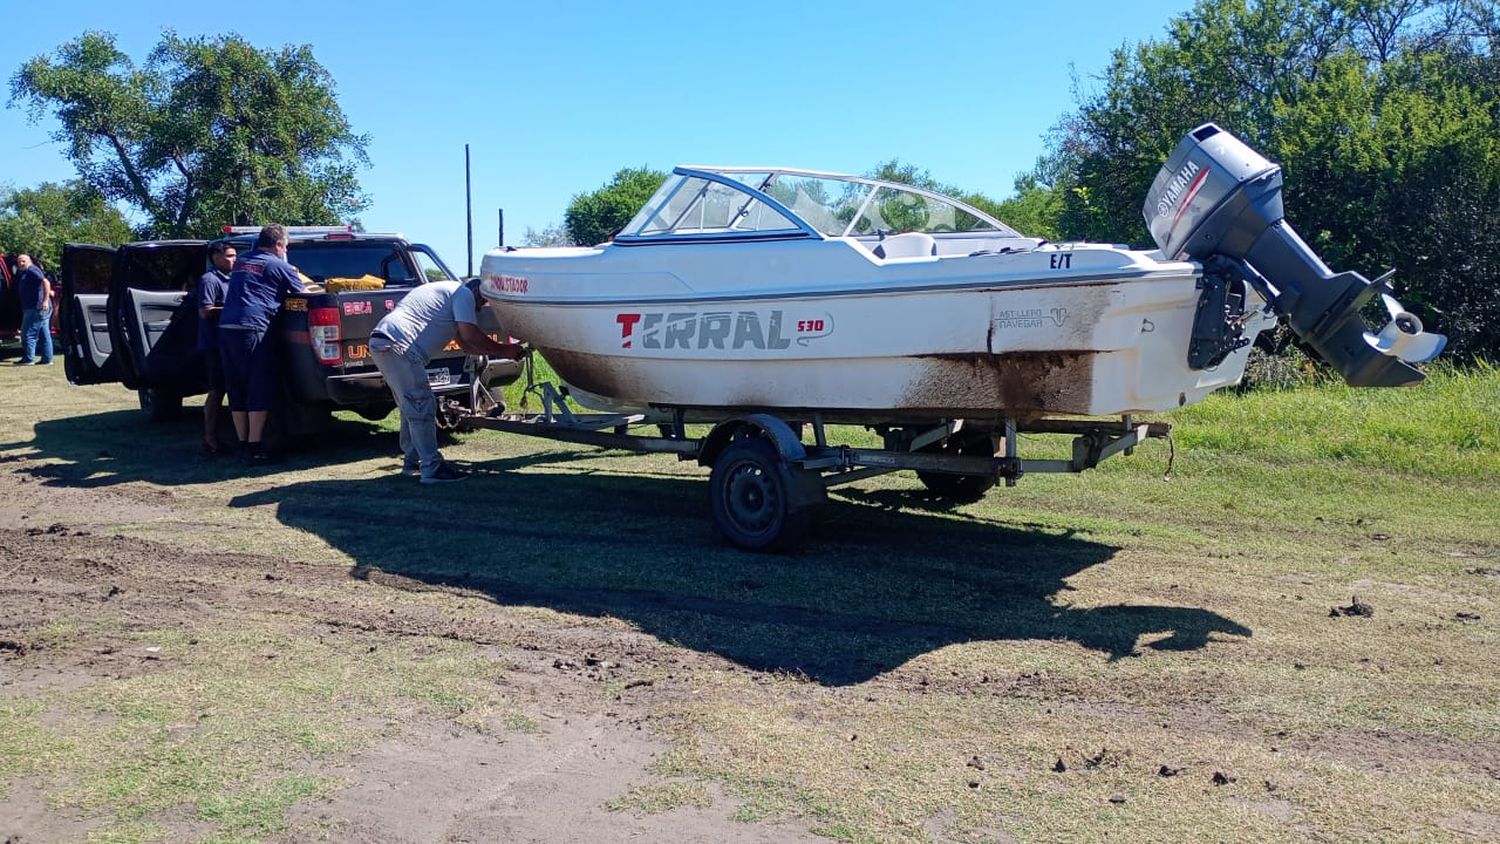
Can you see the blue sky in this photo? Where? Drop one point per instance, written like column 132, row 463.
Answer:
column 553, row 99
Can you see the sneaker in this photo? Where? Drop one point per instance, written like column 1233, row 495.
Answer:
column 44, row 363
column 262, row 456
column 443, row 474
column 25, row 363
column 411, row 467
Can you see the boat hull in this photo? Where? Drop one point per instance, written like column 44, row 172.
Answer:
column 1090, row 347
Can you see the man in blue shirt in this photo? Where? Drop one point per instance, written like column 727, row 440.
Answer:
column 423, row 323
column 36, row 311
column 211, row 288
column 258, row 284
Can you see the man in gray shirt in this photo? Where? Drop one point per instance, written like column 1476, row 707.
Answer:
column 404, row 341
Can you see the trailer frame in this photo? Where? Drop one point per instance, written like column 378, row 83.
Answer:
column 766, row 482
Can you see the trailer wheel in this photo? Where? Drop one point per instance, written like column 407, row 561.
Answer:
column 961, row 489
column 761, row 503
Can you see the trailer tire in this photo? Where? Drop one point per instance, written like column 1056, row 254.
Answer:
column 759, row 501
column 960, row 489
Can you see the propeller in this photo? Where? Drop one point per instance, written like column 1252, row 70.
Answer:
column 1403, row 336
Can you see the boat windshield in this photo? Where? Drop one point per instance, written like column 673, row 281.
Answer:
column 690, row 204
column 697, row 201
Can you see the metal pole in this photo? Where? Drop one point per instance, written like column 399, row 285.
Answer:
column 469, row 208
column 501, row 241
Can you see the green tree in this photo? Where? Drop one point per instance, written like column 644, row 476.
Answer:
column 1384, row 114
column 205, row 132
column 1034, row 211
column 595, row 217
column 40, row 220
column 553, row 235
column 901, row 172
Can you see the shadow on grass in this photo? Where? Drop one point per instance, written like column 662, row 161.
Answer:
column 873, row 588
column 103, row 449
column 886, row 577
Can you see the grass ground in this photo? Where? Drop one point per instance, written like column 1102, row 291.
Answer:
column 1111, row 655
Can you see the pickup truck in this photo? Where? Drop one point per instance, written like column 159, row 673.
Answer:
column 130, row 315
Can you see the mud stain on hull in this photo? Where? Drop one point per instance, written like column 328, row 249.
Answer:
column 1022, row 384
column 598, row 374
column 1018, row 383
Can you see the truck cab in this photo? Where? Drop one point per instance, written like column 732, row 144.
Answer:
column 130, row 315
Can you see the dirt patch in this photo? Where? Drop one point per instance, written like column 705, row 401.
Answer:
column 1481, row 825
column 428, row 781
column 26, row 816
column 436, row 783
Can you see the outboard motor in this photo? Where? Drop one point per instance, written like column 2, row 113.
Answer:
column 1219, row 202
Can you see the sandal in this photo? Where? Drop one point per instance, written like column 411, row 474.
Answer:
column 210, row 449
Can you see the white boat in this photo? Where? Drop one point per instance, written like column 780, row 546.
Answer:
column 795, row 290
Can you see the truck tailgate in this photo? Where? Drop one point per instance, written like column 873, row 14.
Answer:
column 360, row 311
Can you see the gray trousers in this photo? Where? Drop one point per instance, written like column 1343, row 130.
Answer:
column 406, row 375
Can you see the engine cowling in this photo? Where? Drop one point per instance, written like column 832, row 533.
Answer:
column 1218, row 201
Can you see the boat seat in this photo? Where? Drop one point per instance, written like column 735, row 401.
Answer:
column 906, row 245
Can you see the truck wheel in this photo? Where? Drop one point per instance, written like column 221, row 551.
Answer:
column 159, row 405
column 960, row 489
column 759, row 502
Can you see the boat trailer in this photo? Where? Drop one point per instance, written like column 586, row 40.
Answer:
column 766, row 483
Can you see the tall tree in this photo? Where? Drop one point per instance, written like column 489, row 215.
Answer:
column 205, row 132
column 553, row 235
column 594, row 217
column 1033, row 211
column 40, row 220
column 1385, row 115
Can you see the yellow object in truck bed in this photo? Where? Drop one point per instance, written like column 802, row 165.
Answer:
column 343, row 285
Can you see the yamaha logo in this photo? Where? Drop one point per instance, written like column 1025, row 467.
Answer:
column 1174, row 188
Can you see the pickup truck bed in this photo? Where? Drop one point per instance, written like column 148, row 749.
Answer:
column 130, row 315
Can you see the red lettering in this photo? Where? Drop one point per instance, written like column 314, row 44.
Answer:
column 512, row 284
column 627, row 326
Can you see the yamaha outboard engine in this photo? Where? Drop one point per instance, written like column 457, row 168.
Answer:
column 1219, row 202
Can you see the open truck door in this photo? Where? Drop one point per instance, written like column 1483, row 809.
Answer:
column 88, row 353
column 153, row 321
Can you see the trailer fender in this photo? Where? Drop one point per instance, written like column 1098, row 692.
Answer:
column 780, row 435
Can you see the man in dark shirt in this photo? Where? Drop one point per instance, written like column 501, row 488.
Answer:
column 211, row 288
column 258, row 284
column 36, row 311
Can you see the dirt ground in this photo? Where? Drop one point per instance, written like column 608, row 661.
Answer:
column 426, row 781
column 560, row 649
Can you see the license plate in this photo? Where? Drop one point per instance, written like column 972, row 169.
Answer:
column 439, row 377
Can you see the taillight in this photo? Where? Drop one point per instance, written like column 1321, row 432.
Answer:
column 323, row 332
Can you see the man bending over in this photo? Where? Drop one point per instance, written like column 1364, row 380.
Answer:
column 406, row 339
